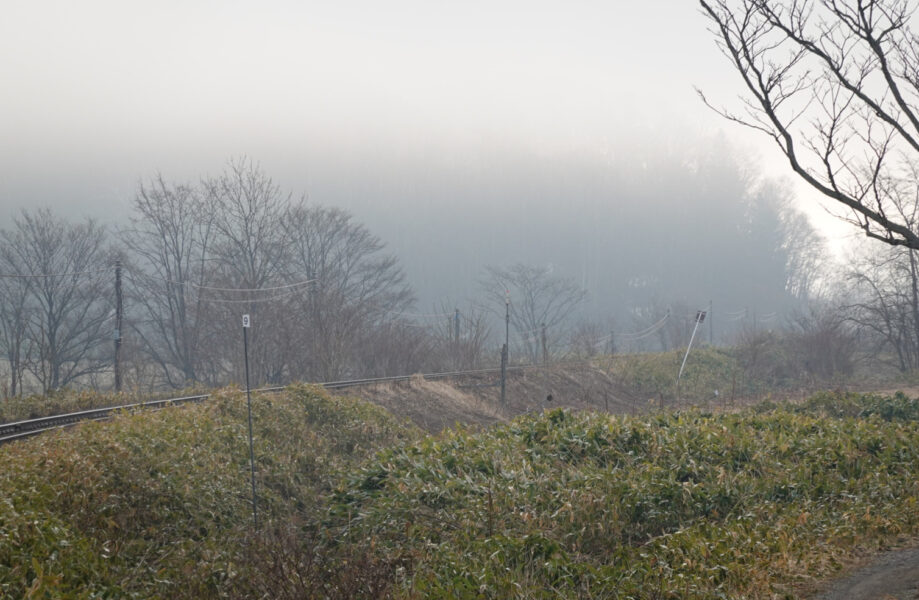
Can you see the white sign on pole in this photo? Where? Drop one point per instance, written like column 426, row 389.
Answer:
column 246, row 321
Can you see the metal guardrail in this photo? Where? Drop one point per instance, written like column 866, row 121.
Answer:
column 17, row 430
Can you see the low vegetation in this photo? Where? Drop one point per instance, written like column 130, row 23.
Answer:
column 20, row 408
column 762, row 366
column 157, row 504
column 759, row 504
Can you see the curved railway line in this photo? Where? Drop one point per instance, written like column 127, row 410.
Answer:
column 18, row 430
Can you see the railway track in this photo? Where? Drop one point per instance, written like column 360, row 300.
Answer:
column 10, row 432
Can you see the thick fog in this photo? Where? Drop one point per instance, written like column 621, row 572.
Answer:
column 672, row 223
column 567, row 137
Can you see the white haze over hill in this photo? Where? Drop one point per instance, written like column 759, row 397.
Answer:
column 463, row 134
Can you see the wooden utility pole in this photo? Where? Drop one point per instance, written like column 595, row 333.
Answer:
column 456, row 325
column 711, row 325
column 545, row 347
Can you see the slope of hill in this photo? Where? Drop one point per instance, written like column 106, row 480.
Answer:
column 762, row 503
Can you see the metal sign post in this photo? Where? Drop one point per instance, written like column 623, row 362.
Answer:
column 246, row 324
column 119, row 314
column 505, row 351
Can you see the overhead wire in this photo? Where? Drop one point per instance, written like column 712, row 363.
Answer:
column 419, row 315
column 250, row 300
column 643, row 333
column 264, row 289
column 222, row 289
column 50, row 275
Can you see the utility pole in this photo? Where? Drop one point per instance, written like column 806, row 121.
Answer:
column 711, row 325
column 545, row 347
column 455, row 325
column 119, row 313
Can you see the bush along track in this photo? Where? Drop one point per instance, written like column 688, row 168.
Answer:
column 759, row 504
column 756, row 505
column 156, row 504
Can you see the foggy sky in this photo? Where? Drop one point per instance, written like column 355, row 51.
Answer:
column 381, row 108
column 99, row 93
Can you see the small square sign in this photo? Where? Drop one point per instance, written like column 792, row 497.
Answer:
column 246, row 321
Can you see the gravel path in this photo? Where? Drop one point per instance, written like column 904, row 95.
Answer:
column 893, row 576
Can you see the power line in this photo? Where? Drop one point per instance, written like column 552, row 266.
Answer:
column 419, row 316
column 264, row 289
column 50, row 275
column 643, row 333
column 250, row 301
column 220, row 289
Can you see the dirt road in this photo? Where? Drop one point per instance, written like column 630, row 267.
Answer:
column 892, row 576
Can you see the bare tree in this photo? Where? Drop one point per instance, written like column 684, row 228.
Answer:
column 460, row 336
column 168, row 243
column 590, row 338
column 835, row 85
column 250, row 253
column 885, row 303
column 823, row 342
column 805, row 254
column 354, row 287
column 395, row 348
column 538, row 299
column 14, row 318
column 69, row 295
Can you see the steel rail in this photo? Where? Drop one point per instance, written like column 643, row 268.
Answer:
column 18, row 430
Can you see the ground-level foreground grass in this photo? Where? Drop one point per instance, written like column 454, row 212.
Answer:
column 758, row 504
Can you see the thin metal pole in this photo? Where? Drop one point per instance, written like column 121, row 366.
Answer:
column 251, row 446
column 699, row 317
column 118, row 318
column 506, row 351
column 503, row 375
column 545, row 364
column 507, row 322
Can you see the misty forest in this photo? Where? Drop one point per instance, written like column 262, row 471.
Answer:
column 610, row 255
column 417, row 357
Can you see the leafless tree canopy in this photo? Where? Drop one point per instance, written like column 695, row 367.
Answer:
column 64, row 311
column 538, row 299
column 354, row 289
column 324, row 299
column 167, row 244
column 884, row 304
column 15, row 309
column 835, row 84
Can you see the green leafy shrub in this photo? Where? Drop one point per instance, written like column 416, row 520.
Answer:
column 757, row 504
column 684, row 506
column 157, row 504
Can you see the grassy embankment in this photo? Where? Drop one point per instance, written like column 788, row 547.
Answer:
column 755, row 504
column 739, row 375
